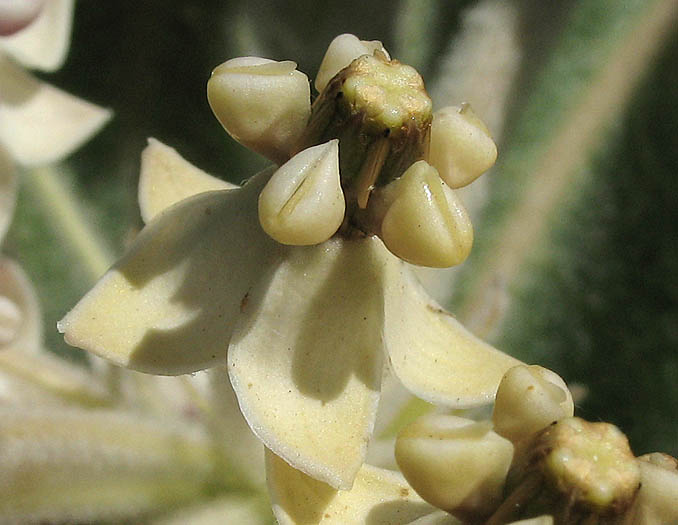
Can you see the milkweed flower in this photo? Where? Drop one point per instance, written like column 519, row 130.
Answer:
column 39, row 124
column 536, row 462
column 296, row 280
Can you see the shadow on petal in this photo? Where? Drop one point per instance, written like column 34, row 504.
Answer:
column 306, row 361
column 342, row 326
column 171, row 304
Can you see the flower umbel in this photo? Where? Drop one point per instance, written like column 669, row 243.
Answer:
column 286, row 279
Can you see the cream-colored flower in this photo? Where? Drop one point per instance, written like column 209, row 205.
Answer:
column 305, row 330
column 39, row 123
column 78, row 445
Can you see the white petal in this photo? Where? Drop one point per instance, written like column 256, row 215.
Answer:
column 43, row 45
column 434, row 356
column 15, row 15
column 20, row 315
column 8, row 192
column 262, row 104
column 170, row 305
column 166, row 178
column 343, row 50
column 378, row 497
column 306, row 364
column 39, row 123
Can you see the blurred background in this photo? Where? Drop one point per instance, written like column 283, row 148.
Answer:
column 576, row 227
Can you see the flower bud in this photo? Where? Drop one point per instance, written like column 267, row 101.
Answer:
column 425, row 223
column 262, row 104
column 530, row 398
column 456, row 464
column 343, row 50
column 303, row 202
column 461, row 147
column 18, row 14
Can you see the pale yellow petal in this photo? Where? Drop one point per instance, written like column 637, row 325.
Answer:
column 167, row 178
column 170, row 305
column 378, row 497
column 431, row 352
column 20, row 315
column 8, row 191
column 44, row 43
column 40, row 124
column 306, row 363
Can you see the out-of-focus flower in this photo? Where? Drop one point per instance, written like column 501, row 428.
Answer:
column 74, row 449
column 39, row 123
column 305, row 329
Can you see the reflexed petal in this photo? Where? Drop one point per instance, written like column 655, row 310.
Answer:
column 66, row 466
column 237, row 510
column 43, row 45
column 306, row 362
column 170, row 305
column 434, row 356
column 20, row 316
column 39, row 123
column 166, row 178
column 378, row 497
column 8, row 192
column 343, row 50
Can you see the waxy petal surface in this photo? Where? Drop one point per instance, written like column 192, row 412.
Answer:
column 378, row 496
column 167, row 178
column 170, row 305
column 40, row 124
column 434, row 356
column 306, row 363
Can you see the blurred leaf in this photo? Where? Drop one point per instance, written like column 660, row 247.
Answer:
column 561, row 112
column 601, row 307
